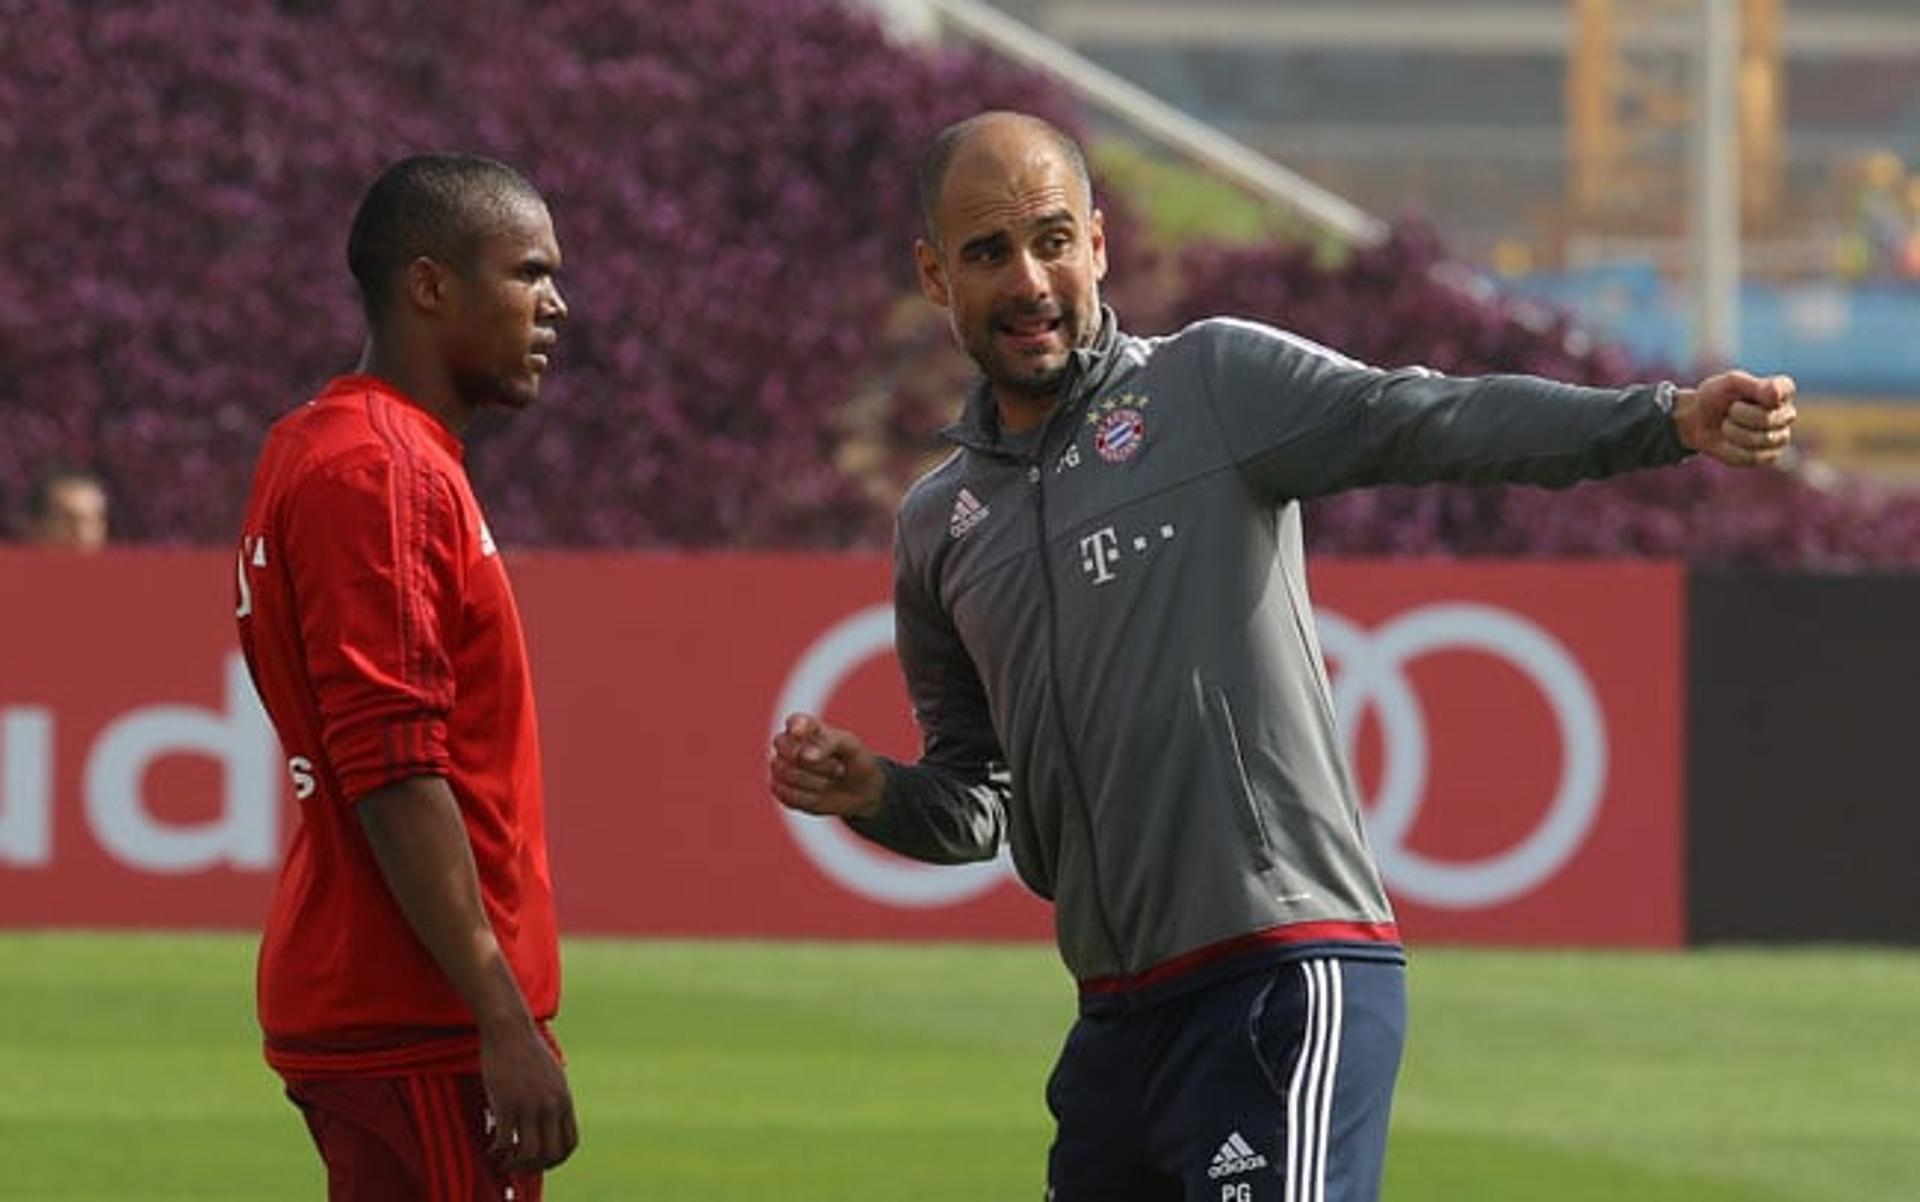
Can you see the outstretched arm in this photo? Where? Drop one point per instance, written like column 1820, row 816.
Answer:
column 1302, row 421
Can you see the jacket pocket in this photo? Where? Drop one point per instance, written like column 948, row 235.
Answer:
column 1233, row 770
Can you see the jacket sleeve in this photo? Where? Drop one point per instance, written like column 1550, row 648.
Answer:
column 951, row 806
column 373, row 550
column 1301, row 421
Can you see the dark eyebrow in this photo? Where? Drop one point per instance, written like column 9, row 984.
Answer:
column 1046, row 221
column 983, row 242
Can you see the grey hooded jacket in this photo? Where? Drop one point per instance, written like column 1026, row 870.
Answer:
column 1110, row 651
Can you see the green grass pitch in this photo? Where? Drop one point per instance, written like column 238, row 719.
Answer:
column 130, row 1069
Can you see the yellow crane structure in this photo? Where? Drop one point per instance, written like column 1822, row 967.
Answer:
column 1630, row 102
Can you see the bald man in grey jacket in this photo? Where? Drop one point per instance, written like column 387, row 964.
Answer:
column 1101, row 610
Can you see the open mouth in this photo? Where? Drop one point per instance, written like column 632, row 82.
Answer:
column 1029, row 331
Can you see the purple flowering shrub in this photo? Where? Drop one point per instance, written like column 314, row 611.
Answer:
column 748, row 363
column 1399, row 304
column 731, row 182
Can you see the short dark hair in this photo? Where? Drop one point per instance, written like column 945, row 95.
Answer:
column 436, row 205
column 947, row 143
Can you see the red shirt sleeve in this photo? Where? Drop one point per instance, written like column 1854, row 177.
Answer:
column 375, row 548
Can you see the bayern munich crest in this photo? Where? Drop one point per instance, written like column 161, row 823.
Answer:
column 1119, row 435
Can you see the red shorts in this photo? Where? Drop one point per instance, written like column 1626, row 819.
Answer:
column 405, row 1139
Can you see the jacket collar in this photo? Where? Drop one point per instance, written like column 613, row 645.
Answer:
column 1088, row 369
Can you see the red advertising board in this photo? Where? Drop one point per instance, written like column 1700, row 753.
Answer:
column 1517, row 730
column 1516, row 727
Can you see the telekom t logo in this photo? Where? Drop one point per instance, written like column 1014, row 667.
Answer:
column 1103, row 548
column 1097, row 553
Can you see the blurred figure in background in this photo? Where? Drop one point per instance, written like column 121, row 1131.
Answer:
column 68, row 509
column 410, row 964
column 1101, row 611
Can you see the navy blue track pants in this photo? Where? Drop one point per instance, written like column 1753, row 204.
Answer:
column 1273, row 1086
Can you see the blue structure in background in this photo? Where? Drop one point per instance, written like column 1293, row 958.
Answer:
column 1833, row 338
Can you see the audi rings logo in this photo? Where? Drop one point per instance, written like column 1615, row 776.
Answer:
column 1372, row 676
column 844, row 856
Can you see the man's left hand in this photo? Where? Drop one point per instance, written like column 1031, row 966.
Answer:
column 1737, row 418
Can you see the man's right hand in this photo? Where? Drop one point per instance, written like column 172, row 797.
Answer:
column 528, row 1103
column 820, row 770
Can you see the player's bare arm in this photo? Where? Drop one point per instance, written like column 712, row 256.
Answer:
column 1737, row 418
column 417, row 836
column 819, row 769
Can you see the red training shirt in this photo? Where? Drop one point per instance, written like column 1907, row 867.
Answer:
column 382, row 636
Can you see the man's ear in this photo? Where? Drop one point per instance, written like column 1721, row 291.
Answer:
column 426, row 283
column 933, row 276
column 1097, row 238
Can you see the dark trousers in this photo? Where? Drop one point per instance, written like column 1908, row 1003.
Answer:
column 1274, row 1086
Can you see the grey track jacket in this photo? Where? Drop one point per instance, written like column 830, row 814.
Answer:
column 1107, row 639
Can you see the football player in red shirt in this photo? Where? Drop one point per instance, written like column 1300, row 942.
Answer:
column 410, row 964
